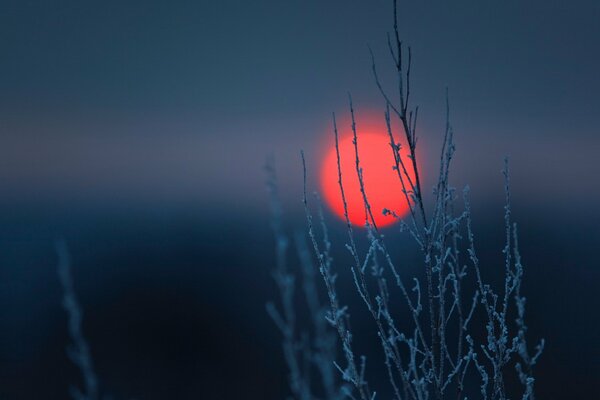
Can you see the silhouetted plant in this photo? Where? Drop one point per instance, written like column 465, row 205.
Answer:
column 79, row 350
column 432, row 352
column 307, row 349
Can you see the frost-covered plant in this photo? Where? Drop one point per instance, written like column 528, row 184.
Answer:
column 310, row 348
column 436, row 351
column 79, row 350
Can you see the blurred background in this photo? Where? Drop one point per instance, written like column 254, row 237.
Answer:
column 138, row 131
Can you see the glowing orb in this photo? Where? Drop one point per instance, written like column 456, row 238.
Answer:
column 381, row 182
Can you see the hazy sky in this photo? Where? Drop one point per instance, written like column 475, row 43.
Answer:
column 179, row 103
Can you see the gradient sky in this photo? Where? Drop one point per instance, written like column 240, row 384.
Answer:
column 178, row 104
column 165, row 113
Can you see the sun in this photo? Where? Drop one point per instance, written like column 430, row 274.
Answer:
column 382, row 184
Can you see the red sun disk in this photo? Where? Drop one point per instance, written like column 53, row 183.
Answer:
column 382, row 184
